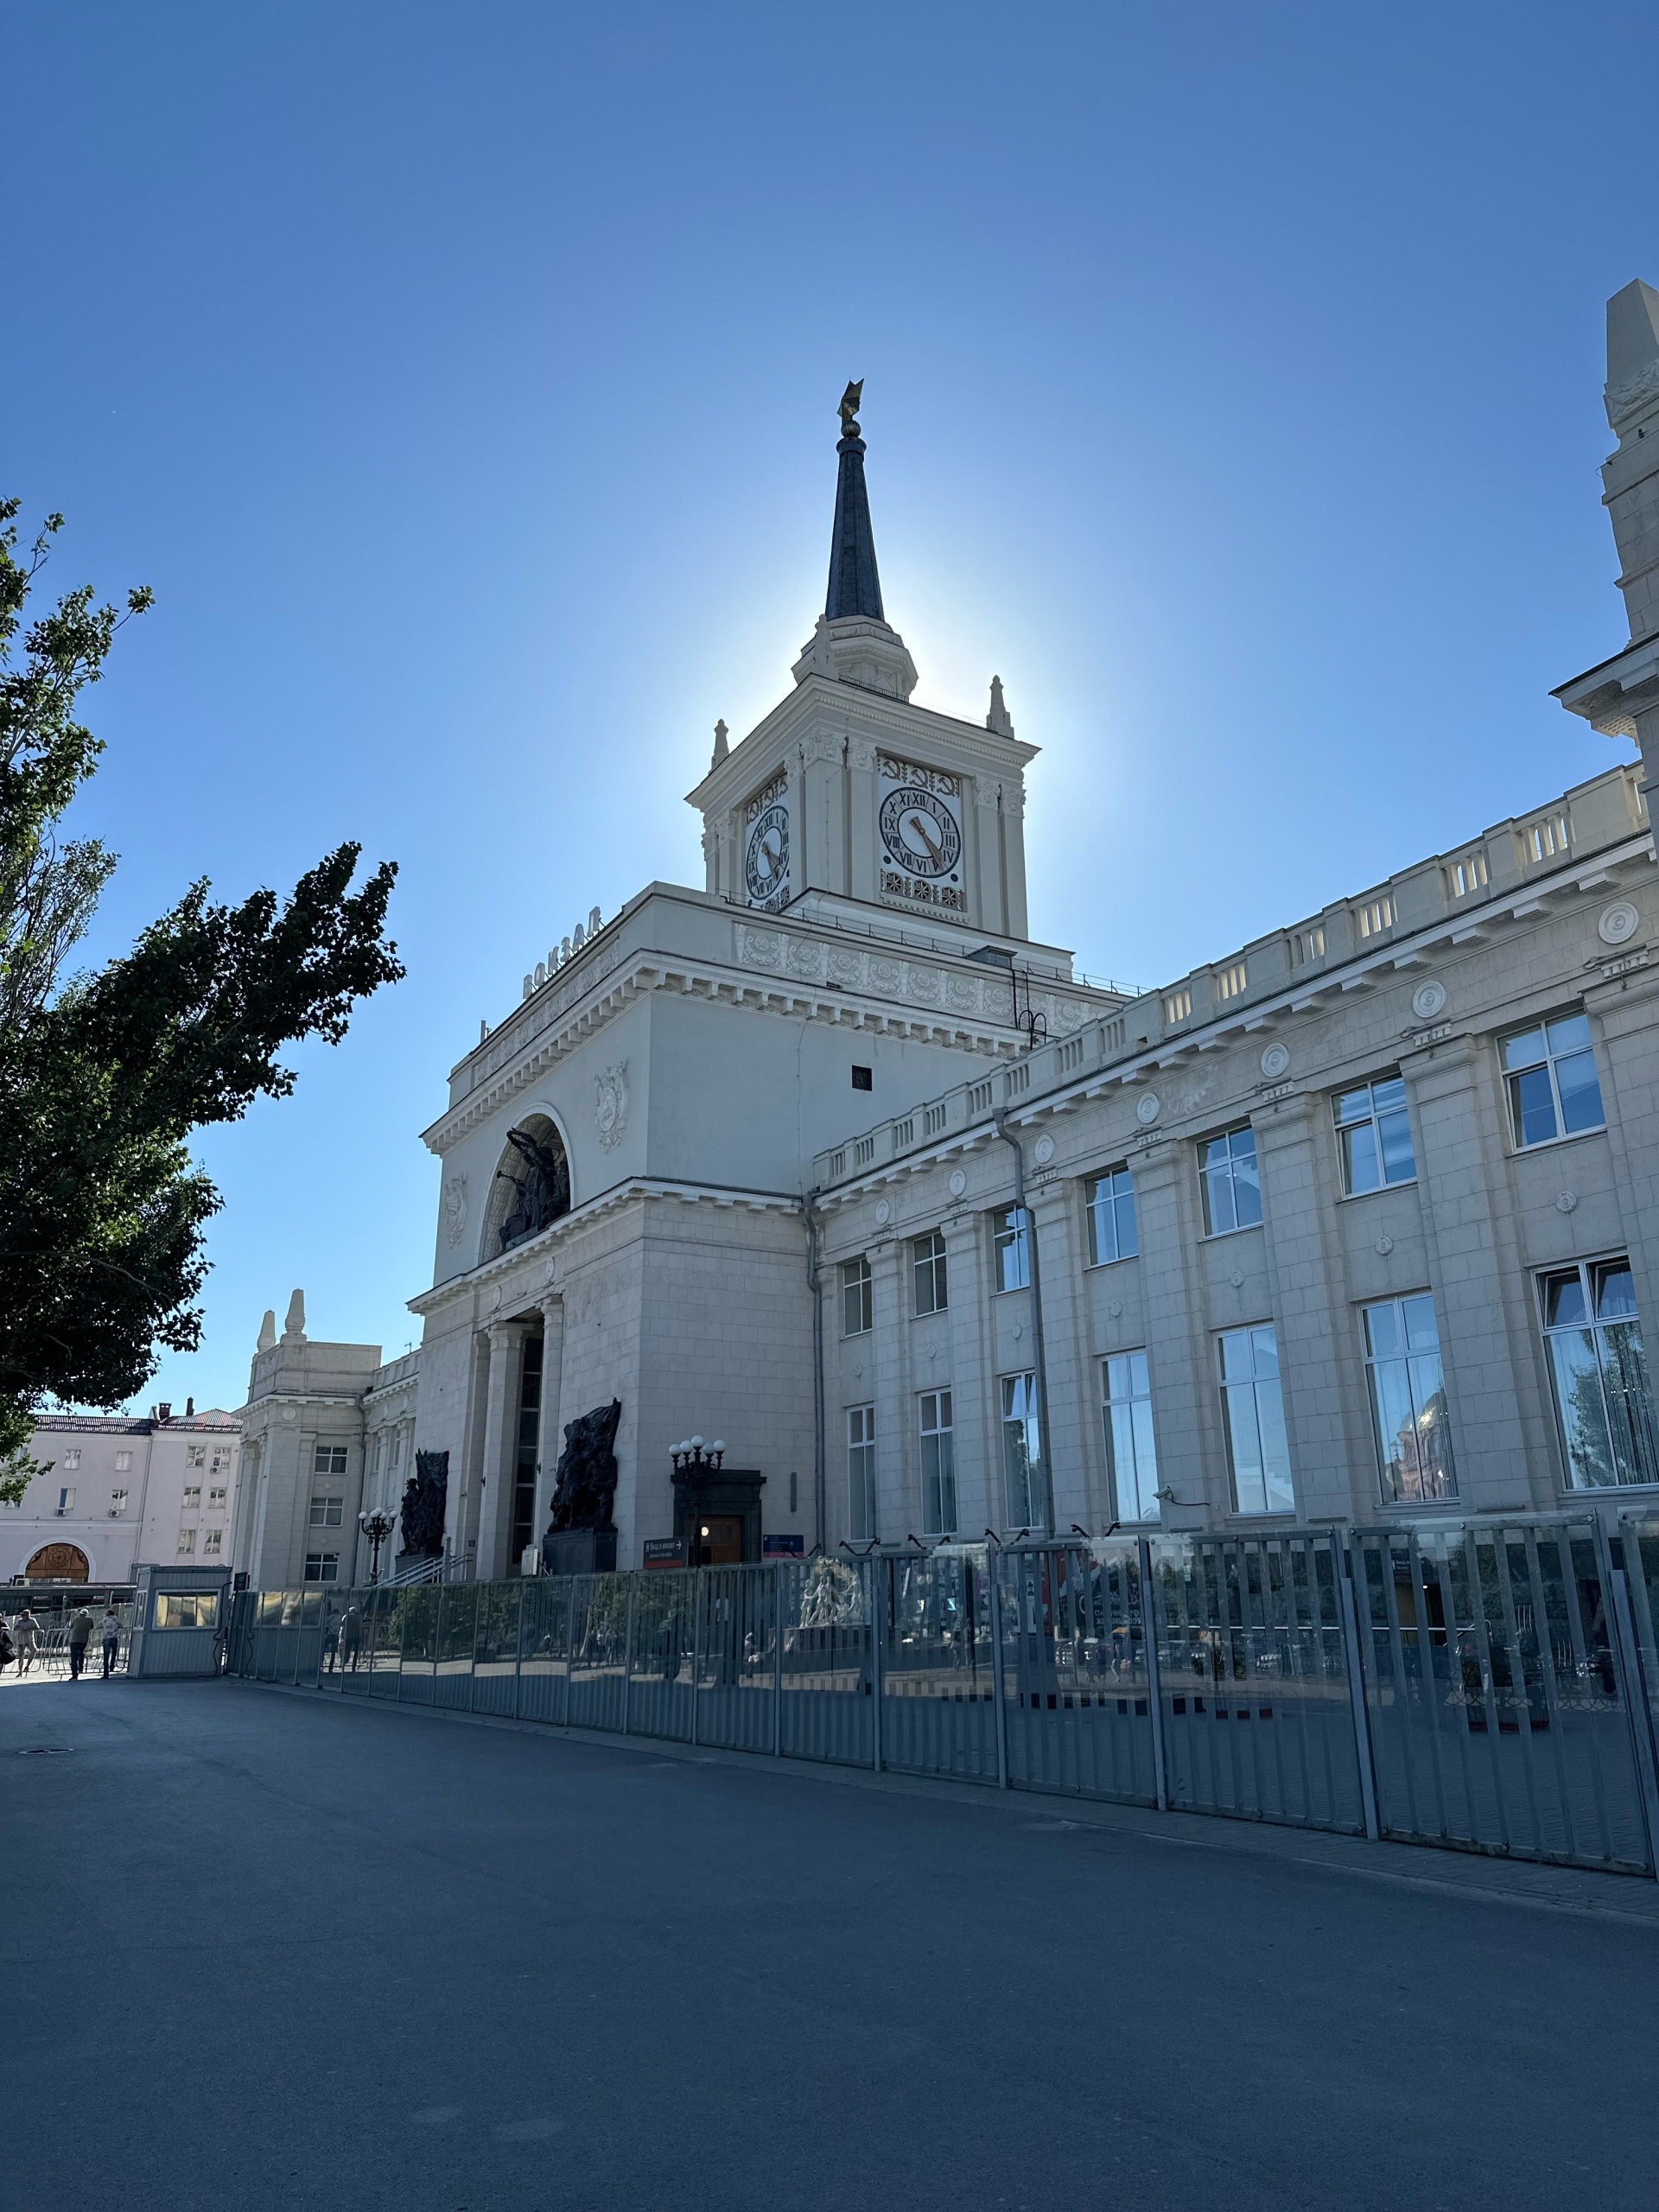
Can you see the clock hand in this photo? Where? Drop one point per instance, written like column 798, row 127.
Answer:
column 935, row 846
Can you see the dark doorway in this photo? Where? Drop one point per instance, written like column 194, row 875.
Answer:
column 529, row 1450
column 719, row 1540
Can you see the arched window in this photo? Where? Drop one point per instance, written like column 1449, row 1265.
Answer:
column 531, row 1187
column 57, row 1563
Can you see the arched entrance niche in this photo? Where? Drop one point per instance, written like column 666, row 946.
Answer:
column 530, row 1189
column 59, row 1563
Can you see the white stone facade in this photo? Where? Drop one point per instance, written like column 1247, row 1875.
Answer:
column 794, row 1108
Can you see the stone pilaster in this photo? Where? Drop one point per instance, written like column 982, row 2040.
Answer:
column 1180, row 1356
column 501, row 1447
column 1330, row 1455
column 552, row 1438
column 1499, row 1421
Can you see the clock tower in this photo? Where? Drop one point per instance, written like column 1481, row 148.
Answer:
column 848, row 795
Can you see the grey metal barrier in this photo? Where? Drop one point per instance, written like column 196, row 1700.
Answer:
column 1483, row 1686
column 1499, row 1692
column 1253, row 1663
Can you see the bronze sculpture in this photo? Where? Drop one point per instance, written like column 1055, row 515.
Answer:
column 543, row 1190
column 425, row 1496
column 585, row 1489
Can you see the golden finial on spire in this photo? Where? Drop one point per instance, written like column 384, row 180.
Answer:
column 848, row 409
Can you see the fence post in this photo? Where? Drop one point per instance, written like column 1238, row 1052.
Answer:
column 778, row 1659
column 877, row 1612
column 696, row 1646
column 1154, row 1674
column 1343, row 1562
column 627, row 1662
column 1635, row 1697
column 518, row 1647
column 999, row 1690
column 569, row 1582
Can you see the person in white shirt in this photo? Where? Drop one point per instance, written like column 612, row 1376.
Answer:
column 28, row 1637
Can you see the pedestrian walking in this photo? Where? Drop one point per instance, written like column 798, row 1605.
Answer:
column 28, row 1635
column 80, row 1635
column 112, row 1639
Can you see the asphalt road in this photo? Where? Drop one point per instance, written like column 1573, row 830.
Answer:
column 271, row 1951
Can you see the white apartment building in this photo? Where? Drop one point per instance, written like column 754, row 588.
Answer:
column 116, row 1490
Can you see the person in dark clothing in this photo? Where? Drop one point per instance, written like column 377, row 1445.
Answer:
column 112, row 1639
column 80, row 1635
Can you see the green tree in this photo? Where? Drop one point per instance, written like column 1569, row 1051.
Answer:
column 103, row 1075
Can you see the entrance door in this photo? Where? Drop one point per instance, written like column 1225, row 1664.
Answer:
column 720, row 1539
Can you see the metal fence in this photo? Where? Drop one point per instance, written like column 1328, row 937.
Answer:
column 1490, row 1687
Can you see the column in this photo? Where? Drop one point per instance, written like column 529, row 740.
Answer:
column 899, row 1503
column 552, row 1439
column 973, row 1377
column 1014, row 858
column 1330, row 1454
column 1186, row 1407
column 863, row 859
column 1072, row 1436
column 1500, row 1426
column 987, row 832
column 500, row 1449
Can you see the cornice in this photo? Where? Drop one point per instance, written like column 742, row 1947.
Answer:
column 725, row 785
column 1514, row 907
column 757, row 987
column 547, row 1246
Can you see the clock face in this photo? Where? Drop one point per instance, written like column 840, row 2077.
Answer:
column 920, row 833
column 765, row 863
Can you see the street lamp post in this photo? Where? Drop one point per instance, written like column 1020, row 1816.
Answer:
column 377, row 1527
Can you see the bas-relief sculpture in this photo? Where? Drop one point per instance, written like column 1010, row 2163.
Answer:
column 585, row 1491
column 425, row 1496
column 543, row 1190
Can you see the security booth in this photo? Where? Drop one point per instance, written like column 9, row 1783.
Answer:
column 179, row 1615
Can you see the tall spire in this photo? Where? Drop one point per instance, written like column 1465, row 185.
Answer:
column 855, row 586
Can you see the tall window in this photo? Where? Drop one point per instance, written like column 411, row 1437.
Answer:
column 1129, row 1447
column 1011, row 1244
column 1374, row 1131
column 195, row 1455
column 71, row 1459
column 326, row 1512
column 213, row 1541
column 193, row 1498
column 857, row 1301
column 1554, row 1091
column 1254, row 1406
column 860, row 1471
column 123, row 1463
column 118, row 1503
column 66, row 1500
column 322, row 1567
column 187, row 1540
column 1232, row 1183
column 927, row 1262
column 1111, row 1217
column 939, row 1464
column 1403, row 1359
column 1022, row 1451
column 1604, row 1396
column 329, row 1460
column 529, row 1452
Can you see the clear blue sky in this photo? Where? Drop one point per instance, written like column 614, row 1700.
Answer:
column 463, row 380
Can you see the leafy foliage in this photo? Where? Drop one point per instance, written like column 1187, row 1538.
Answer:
column 102, row 1077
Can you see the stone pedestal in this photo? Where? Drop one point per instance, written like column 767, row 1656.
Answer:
column 580, row 1551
